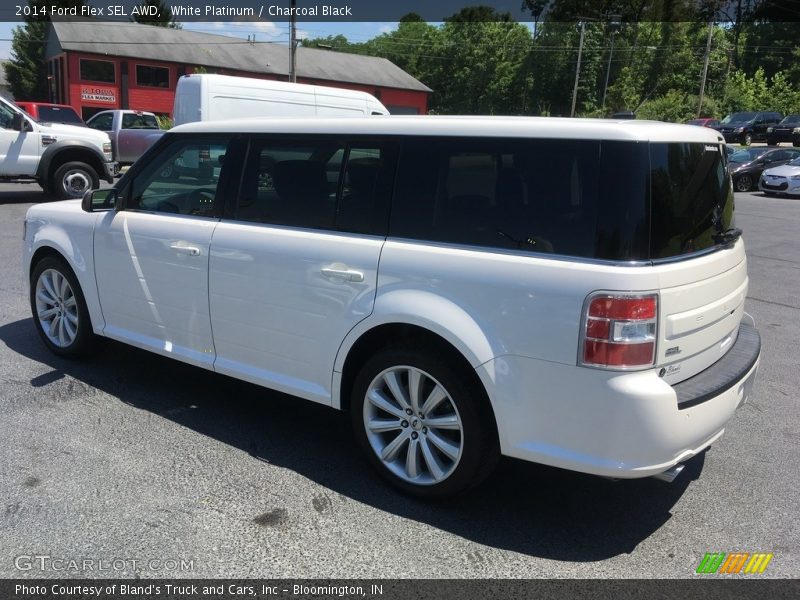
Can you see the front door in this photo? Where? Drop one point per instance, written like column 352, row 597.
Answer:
column 19, row 150
column 151, row 257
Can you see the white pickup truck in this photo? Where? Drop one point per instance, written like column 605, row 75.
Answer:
column 64, row 159
column 131, row 132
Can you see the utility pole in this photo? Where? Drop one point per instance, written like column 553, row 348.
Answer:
column 577, row 71
column 293, row 42
column 705, row 69
column 614, row 24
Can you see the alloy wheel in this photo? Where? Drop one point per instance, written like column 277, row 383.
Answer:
column 56, row 308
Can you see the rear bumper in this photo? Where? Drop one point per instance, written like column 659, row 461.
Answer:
column 622, row 425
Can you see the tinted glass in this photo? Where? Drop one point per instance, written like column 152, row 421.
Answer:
column 134, row 121
column 97, row 70
column 152, row 76
column 692, row 198
column 570, row 197
column 791, row 119
column 182, row 178
column 55, row 114
column 743, row 156
column 304, row 184
column 742, row 117
column 101, row 122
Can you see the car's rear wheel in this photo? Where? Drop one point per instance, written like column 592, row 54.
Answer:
column 772, row 143
column 59, row 308
column 743, row 183
column 421, row 422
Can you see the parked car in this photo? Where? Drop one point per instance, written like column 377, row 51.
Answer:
column 45, row 112
column 64, row 159
column 211, row 97
column 704, row 122
column 563, row 291
column 131, row 132
column 787, row 130
column 746, row 174
column 748, row 127
column 781, row 181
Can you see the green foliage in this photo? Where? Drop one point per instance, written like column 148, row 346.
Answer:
column 164, row 122
column 26, row 72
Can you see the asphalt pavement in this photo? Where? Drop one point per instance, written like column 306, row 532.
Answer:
column 174, row 471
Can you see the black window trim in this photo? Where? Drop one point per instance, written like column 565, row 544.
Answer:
column 111, row 62
column 154, row 87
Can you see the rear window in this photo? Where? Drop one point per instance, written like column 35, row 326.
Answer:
column 57, row 114
column 582, row 198
column 692, row 198
column 134, row 121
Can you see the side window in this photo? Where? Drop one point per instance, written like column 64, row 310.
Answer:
column 536, row 195
column 6, row 116
column 101, row 122
column 138, row 121
column 319, row 184
column 182, row 178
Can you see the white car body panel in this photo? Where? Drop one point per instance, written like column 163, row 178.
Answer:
column 278, row 321
column 153, row 290
column 778, row 175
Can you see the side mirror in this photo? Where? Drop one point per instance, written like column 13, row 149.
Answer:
column 17, row 122
column 94, row 200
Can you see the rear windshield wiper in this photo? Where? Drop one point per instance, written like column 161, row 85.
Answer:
column 728, row 236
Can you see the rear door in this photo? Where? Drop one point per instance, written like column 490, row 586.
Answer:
column 702, row 284
column 294, row 265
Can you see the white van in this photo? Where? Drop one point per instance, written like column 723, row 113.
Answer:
column 205, row 97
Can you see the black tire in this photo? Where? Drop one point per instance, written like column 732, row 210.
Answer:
column 72, row 180
column 747, row 139
column 743, row 183
column 84, row 340
column 477, row 437
column 796, row 144
column 772, row 143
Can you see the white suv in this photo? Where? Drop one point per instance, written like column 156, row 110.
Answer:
column 564, row 291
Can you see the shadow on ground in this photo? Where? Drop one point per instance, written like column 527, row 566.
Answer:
column 526, row 508
column 32, row 194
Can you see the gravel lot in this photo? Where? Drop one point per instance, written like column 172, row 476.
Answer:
column 133, row 457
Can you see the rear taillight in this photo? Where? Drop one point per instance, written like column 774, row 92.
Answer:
column 619, row 331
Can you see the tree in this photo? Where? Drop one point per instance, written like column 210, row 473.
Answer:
column 26, row 72
column 163, row 18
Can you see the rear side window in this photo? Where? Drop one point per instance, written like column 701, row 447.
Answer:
column 582, row 198
column 692, row 198
column 318, row 184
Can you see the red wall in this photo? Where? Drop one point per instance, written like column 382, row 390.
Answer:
column 160, row 100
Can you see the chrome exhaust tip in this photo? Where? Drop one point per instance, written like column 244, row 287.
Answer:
column 670, row 474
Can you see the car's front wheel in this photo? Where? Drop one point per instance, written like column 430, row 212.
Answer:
column 59, row 309
column 743, row 183
column 73, row 180
column 747, row 139
column 422, row 423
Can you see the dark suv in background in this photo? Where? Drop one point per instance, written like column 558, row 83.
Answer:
column 787, row 130
column 748, row 127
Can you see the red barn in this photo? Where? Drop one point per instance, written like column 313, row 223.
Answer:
column 95, row 66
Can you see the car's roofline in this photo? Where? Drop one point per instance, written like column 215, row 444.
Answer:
column 465, row 126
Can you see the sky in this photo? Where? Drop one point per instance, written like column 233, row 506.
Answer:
column 263, row 30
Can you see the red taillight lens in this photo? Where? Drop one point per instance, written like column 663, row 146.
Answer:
column 620, row 331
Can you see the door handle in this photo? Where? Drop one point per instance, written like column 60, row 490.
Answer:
column 342, row 272
column 182, row 248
